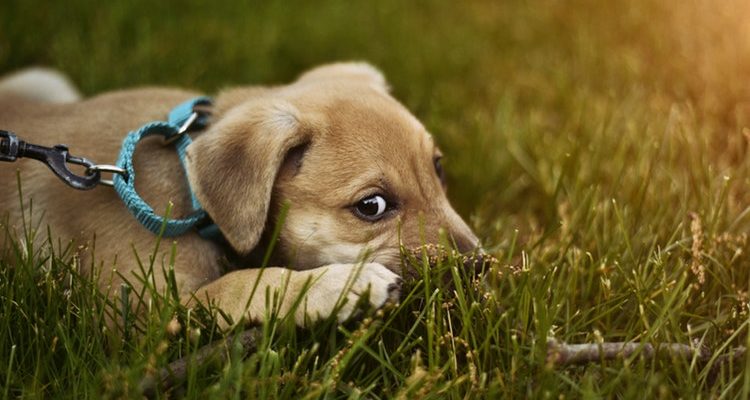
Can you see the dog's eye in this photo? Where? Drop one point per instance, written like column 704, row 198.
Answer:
column 371, row 208
column 439, row 170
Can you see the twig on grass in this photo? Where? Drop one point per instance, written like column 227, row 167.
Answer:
column 176, row 372
column 563, row 354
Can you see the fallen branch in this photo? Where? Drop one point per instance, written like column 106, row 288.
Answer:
column 176, row 372
column 563, row 354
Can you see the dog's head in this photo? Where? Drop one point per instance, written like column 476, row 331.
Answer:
column 361, row 175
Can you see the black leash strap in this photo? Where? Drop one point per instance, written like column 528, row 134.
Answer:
column 57, row 159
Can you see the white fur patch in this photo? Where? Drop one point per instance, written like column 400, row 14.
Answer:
column 40, row 84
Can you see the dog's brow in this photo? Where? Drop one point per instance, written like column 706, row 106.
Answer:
column 430, row 140
column 428, row 143
column 363, row 184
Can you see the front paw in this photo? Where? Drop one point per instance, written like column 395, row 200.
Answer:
column 341, row 287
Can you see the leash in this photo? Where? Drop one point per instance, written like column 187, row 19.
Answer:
column 56, row 158
column 188, row 116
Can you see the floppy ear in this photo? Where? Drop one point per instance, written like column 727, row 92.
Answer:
column 359, row 71
column 232, row 166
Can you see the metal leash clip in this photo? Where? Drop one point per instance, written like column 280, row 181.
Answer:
column 8, row 146
column 57, row 159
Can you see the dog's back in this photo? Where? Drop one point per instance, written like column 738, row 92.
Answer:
column 94, row 129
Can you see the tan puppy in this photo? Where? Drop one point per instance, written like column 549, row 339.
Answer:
column 360, row 173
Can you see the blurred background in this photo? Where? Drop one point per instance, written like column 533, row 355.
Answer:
column 538, row 105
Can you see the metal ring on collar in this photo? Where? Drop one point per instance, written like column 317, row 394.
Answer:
column 182, row 129
column 112, row 169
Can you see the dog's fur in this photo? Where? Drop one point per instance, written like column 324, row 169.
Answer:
column 320, row 144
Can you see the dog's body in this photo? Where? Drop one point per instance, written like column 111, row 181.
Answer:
column 332, row 145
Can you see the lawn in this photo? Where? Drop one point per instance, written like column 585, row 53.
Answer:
column 599, row 150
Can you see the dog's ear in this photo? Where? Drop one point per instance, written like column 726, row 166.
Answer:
column 357, row 71
column 232, row 166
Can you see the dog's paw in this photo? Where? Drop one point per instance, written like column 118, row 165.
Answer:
column 341, row 287
column 373, row 280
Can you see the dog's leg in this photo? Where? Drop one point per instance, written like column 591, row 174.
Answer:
column 316, row 293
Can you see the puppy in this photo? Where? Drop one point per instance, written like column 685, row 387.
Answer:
column 360, row 175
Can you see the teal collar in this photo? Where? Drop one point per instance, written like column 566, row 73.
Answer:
column 181, row 119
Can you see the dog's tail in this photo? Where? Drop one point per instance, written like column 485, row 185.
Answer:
column 39, row 84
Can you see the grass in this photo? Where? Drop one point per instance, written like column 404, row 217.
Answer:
column 599, row 149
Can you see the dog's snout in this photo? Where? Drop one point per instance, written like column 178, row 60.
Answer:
column 465, row 243
column 473, row 256
column 448, row 237
column 461, row 234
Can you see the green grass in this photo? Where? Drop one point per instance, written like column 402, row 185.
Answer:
column 596, row 147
